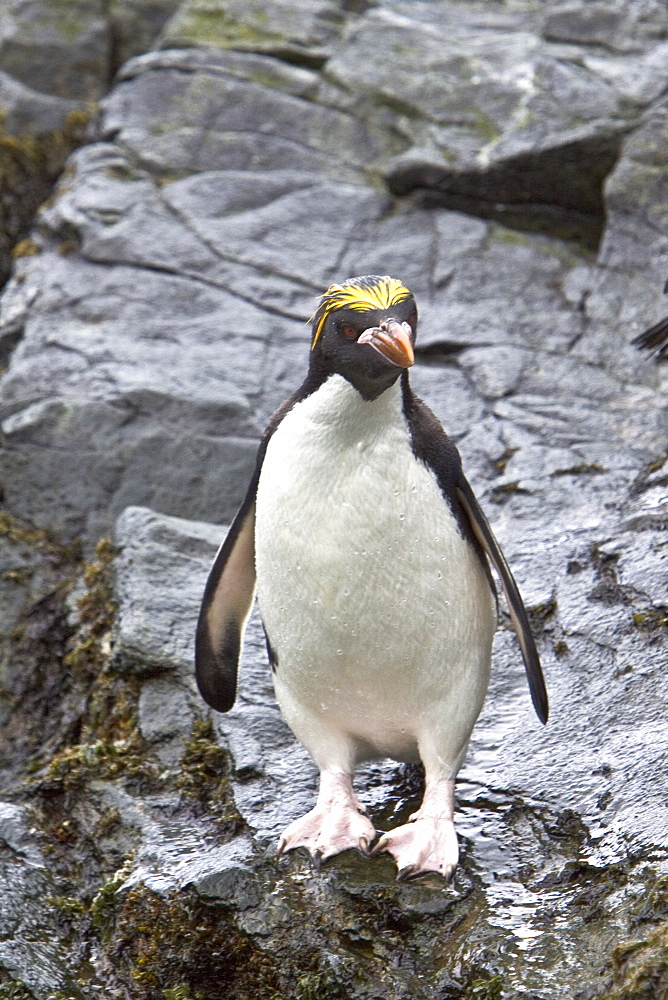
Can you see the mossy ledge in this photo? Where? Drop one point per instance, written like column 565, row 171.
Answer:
column 29, row 167
column 204, row 778
column 179, row 944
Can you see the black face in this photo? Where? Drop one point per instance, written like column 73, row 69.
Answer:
column 364, row 366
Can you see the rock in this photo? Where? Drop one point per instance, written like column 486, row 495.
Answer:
column 608, row 23
column 295, row 31
column 135, row 25
column 499, row 123
column 508, row 162
column 160, row 577
column 173, row 856
column 255, row 119
column 638, row 81
column 275, row 780
column 525, row 804
column 227, row 234
column 57, row 59
column 29, row 945
column 72, row 39
column 16, row 835
column 637, row 198
column 165, row 712
column 38, row 132
column 29, row 112
column 70, row 48
column 650, row 511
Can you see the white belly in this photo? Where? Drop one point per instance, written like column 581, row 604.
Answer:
column 379, row 611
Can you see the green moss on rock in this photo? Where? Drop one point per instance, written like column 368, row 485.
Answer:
column 102, row 759
column 15, row 990
column 486, row 989
column 29, row 166
column 208, row 22
column 106, row 743
column 581, row 469
column 32, row 650
column 652, row 619
column 96, row 608
column 21, row 533
column 640, row 968
column 176, row 942
column 500, row 494
column 204, row 778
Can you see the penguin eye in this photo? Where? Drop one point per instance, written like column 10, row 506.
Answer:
column 349, row 331
column 412, row 319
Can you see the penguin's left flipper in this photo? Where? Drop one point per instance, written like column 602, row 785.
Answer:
column 433, row 446
column 483, row 532
column 226, row 604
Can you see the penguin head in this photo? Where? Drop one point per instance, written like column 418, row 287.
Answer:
column 364, row 329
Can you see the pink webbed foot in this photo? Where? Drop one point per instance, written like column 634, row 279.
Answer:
column 337, row 823
column 428, row 842
column 422, row 845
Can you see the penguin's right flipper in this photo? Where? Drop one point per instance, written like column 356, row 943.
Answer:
column 225, row 607
column 230, row 589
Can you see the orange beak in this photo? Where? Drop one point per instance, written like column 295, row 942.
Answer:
column 392, row 340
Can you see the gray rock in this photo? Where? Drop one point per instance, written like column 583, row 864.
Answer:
column 57, row 59
column 59, row 48
column 210, row 247
column 164, row 316
column 611, row 24
column 649, row 511
column 494, row 120
column 136, row 24
column 15, row 567
column 284, row 28
column 17, row 836
column 234, row 884
column 174, row 854
column 593, row 774
column 28, row 112
column 102, row 389
column 165, row 712
column 29, row 946
column 160, row 575
column 162, row 102
column 636, row 236
column 640, row 81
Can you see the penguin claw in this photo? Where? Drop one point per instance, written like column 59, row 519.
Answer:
column 420, row 846
column 378, row 848
column 407, row 873
column 326, row 831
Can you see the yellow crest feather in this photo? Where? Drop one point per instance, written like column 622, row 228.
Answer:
column 361, row 295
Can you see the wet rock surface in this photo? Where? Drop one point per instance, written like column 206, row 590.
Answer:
column 507, row 161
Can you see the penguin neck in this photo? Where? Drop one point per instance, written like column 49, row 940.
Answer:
column 338, row 409
column 370, row 381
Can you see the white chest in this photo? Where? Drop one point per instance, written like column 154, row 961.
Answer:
column 342, row 501
column 367, row 589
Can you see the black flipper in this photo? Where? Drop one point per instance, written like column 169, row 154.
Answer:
column 483, row 532
column 230, row 589
column 654, row 339
column 433, row 446
column 226, row 604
